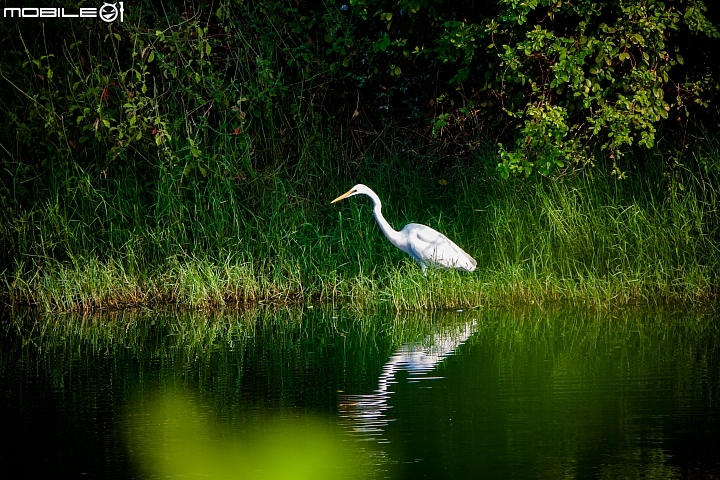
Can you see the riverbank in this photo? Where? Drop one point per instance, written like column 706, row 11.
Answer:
column 222, row 239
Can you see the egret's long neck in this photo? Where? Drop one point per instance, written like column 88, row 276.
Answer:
column 391, row 234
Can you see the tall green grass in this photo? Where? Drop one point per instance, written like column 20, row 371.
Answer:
column 227, row 239
column 208, row 181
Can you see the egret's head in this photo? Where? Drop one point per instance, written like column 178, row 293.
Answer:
column 358, row 189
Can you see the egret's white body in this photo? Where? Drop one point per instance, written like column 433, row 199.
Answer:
column 425, row 245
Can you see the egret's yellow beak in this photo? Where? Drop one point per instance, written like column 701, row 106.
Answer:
column 344, row 195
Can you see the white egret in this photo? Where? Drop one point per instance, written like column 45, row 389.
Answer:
column 425, row 245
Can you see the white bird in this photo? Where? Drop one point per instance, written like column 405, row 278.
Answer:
column 425, row 245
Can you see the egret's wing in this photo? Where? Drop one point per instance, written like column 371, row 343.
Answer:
column 431, row 236
column 429, row 246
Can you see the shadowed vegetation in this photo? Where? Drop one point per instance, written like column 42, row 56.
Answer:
column 188, row 156
column 586, row 239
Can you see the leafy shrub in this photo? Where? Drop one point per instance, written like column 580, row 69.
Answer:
column 571, row 77
column 554, row 81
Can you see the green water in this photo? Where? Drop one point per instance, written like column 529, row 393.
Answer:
column 557, row 393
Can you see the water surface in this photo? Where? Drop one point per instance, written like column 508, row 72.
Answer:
column 336, row 394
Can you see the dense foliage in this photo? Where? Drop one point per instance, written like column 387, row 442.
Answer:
column 558, row 78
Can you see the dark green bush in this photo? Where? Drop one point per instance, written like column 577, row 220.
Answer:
column 554, row 80
column 568, row 77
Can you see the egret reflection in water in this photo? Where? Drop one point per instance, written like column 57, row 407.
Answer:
column 366, row 415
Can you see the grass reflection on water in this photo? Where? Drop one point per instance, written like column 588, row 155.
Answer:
column 554, row 392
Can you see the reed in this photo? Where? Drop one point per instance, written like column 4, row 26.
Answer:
column 585, row 239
